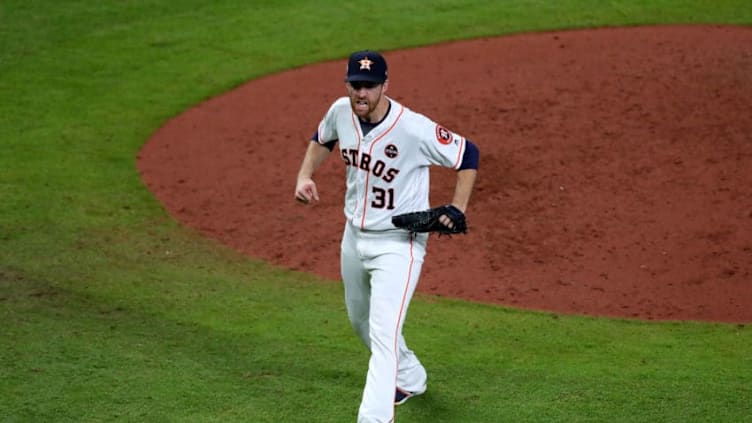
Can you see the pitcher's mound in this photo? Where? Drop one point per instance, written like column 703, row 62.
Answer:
column 615, row 179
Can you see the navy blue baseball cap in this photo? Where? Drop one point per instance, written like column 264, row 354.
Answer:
column 366, row 66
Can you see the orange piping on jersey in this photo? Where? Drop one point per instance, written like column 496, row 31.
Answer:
column 370, row 152
column 402, row 109
column 460, row 154
column 360, row 139
column 321, row 134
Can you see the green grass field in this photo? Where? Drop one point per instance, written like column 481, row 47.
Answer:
column 111, row 311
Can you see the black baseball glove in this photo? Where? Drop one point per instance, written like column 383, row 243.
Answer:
column 428, row 220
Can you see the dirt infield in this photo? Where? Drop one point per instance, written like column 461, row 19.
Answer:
column 615, row 180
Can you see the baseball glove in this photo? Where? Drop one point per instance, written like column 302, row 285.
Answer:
column 428, row 220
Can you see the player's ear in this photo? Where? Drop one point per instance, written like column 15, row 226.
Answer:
column 386, row 85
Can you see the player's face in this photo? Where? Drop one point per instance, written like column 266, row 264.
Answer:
column 367, row 99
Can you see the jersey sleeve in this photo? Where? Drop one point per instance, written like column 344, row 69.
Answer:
column 327, row 130
column 440, row 146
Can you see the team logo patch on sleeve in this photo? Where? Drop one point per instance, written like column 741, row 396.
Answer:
column 443, row 135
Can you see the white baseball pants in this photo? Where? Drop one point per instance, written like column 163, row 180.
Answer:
column 380, row 271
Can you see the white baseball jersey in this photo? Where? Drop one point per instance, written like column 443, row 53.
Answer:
column 388, row 168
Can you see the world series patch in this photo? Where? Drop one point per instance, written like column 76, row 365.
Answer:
column 443, row 135
column 391, row 151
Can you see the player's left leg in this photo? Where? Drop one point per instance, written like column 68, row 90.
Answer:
column 411, row 375
column 394, row 265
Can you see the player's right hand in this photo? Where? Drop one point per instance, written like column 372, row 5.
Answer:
column 306, row 191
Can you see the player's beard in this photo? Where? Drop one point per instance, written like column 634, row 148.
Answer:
column 362, row 107
column 365, row 106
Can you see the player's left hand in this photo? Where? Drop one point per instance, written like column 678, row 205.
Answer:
column 446, row 220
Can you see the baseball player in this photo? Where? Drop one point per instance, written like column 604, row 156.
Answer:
column 387, row 150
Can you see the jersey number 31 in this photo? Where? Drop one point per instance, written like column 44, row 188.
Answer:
column 383, row 198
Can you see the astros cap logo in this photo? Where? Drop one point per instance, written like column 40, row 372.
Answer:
column 365, row 63
column 366, row 66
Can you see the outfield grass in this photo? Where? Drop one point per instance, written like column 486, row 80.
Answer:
column 111, row 311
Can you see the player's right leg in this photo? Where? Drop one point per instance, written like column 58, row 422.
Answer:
column 356, row 282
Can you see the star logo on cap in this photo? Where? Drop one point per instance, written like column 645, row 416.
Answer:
column 365, row 63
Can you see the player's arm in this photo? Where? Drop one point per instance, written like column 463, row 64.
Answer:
column 305, row 190
column 466, row 175
column 463, row 188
